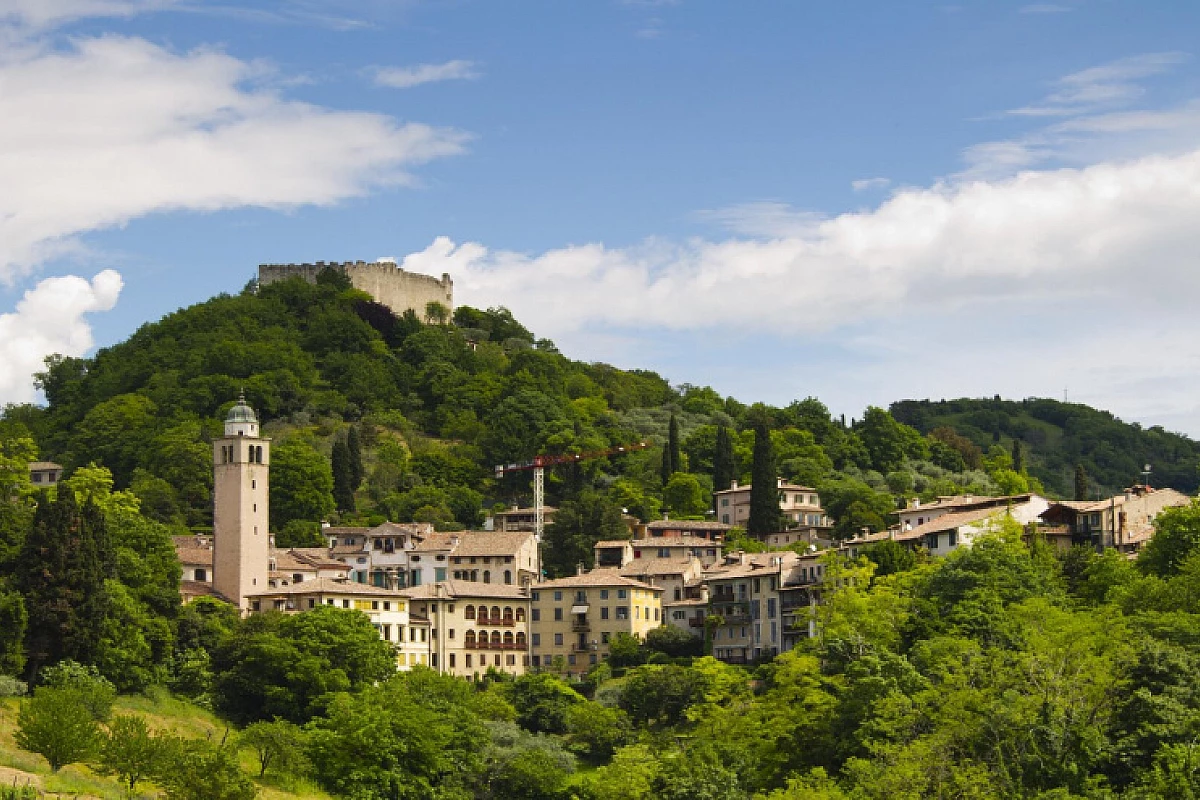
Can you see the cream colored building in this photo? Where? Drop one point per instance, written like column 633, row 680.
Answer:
column 241, row 538
column 573, row 619
column 745, row 594
column 474, row 626
column 685, row 594
column 800, row 505
column 409, row 634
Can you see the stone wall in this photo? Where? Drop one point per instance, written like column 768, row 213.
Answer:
column 385, row 281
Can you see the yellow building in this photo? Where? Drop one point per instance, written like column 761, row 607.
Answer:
column 474, row 626
column 388, row 611
column 573, row 619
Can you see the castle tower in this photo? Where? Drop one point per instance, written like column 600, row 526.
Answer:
column 241, row 543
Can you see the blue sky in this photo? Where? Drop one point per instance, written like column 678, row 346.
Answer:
column 858, row 201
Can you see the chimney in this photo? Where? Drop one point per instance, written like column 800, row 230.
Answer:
column 733, row 484
column 454, row 542
column 915, row 503
column 1128, row 495
column 779, row 483
column 579, row 568
column 270, row 540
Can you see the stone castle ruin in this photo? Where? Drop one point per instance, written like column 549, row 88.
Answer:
column 384, row 280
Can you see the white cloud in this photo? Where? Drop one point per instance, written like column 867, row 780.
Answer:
column 764, row 219
column 863, row 184
column 116, row 128
column 39, row 14
column 50, row 319
column 1101, row 87
column 406, row 77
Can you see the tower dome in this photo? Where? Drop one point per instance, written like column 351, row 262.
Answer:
column 241, row 420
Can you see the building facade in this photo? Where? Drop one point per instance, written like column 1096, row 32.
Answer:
column 799, row 505
column 474, row 626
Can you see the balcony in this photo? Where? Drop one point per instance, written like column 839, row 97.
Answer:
column 737, row 619
column 581, row 625
column 506, row 622
column 696, row 622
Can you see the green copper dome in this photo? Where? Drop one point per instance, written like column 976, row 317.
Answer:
column 241, row 412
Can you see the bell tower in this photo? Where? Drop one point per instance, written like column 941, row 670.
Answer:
column 241, row 543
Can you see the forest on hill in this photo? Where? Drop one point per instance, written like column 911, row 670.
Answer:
column 378, row 416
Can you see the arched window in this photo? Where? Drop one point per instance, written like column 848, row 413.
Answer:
column 508, row 614
column 469, row 612
column 469, row 641
column 520, row 638
column 487, row 576
column 508, row 576
column 520, row 613
column 474, row 574
column 496, row 613
column 508, row 637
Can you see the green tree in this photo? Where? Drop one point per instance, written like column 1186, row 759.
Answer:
column 684, row 495
column 129, row 751
column 301, row 483
column 724, row 465
column 1081, row 483
column 277, row 745
column 56, row 724
column 354, row 444
column 1176, row 536
column 93, row 690
column 13, row 621
column 343, row 477
column 201, row 770
column 674, row 642
column 764, row 489
column 883, row 437
column 577, row 526
column 625, row 650
column 62, row 569
column 659, row 695
column 596, row 731
column 1018, row 457
column 542, row 701
column 672, row 461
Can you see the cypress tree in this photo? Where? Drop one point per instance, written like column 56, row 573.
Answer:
column 723, row 461
column 1081, row 482
column 1018, row 457
column 764, row 489
column 356, row 463
column 62, row 567
column 673, row 447
column 343, row 481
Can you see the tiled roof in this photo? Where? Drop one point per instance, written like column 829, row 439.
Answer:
column 612, row 543
column 948, row 522
column 967, row 501
column 195, row 555
column 465, row 589
column 349, row 549
column 329, row 586
column 687, row 525
column 597, row 577
column 790, row 487
column 476, row 543
column 41, row 465
column 756, row 564
column 315, row 556
column 659, row 566
column 199, row 589
column 675, row 541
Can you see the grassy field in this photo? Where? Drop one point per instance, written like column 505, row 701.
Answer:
column 18, row 767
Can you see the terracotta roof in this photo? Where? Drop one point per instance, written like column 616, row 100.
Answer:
column 349, row 549
column 948, row 522
column 966, row 501
column 659, row 566
column 475, row 543
column 791, row 487
column 329, row 586
column 675, row 541
column 402, row 529
column 343, row 530
column 756, row 564
column 465, row 589
column 687, row 524
column 612, row 543
column 199, row 589
column 195, row 555
column 695, row 601
column 41, row 465
column 597, row 577
column 315, row 556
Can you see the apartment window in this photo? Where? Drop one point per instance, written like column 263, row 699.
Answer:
column 535, row 596
column 416, row 577
column 558, row 596
column 510, row 660
column 452, row 661
column 637, row 612
column 312, row 603
column 656, row 615
column 678, row 615
column 621, row 594
column 387, row 605
column 952, row 538
column 603, row 612
column 374, row 605
column 537, row 661
column 604, row 594
column 664, row 552
column 725, row 519
column 536, row 615
column 450, row 632
column 558, row 615
column 581, row 596
column 604, row 637
column 571, row 659
column 724, row 502
column 558, row 640
column 467, row 660
column 757, row 586
column 537, row 640
column 345, row 604
column 622, row 612
column 439, row 573
column 770, row 608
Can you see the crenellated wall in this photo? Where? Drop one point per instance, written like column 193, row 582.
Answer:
column 384, row 280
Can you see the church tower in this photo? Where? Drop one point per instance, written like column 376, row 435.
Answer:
column 241, row 543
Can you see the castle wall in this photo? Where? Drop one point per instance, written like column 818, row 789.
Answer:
column 386, row 282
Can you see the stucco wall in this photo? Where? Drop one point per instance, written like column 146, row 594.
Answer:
column 387, row 283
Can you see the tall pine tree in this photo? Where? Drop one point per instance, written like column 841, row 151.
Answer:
column 1018, row 457
column 343, row 477
column 61, row 570
column 673, row 445
column 1081, row 483
column 356, row 463
column 723, row 466
column 764, row 487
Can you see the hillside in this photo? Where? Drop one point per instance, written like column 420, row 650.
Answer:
column 423, row 409
column 1057, row 436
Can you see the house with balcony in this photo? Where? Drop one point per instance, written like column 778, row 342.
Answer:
column 799, row 508
column 573, row 619
column 685, row 595
column 955, row 525
column 1124, row 522
column 517, row 519
column 744, row 596
column 474, row 626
